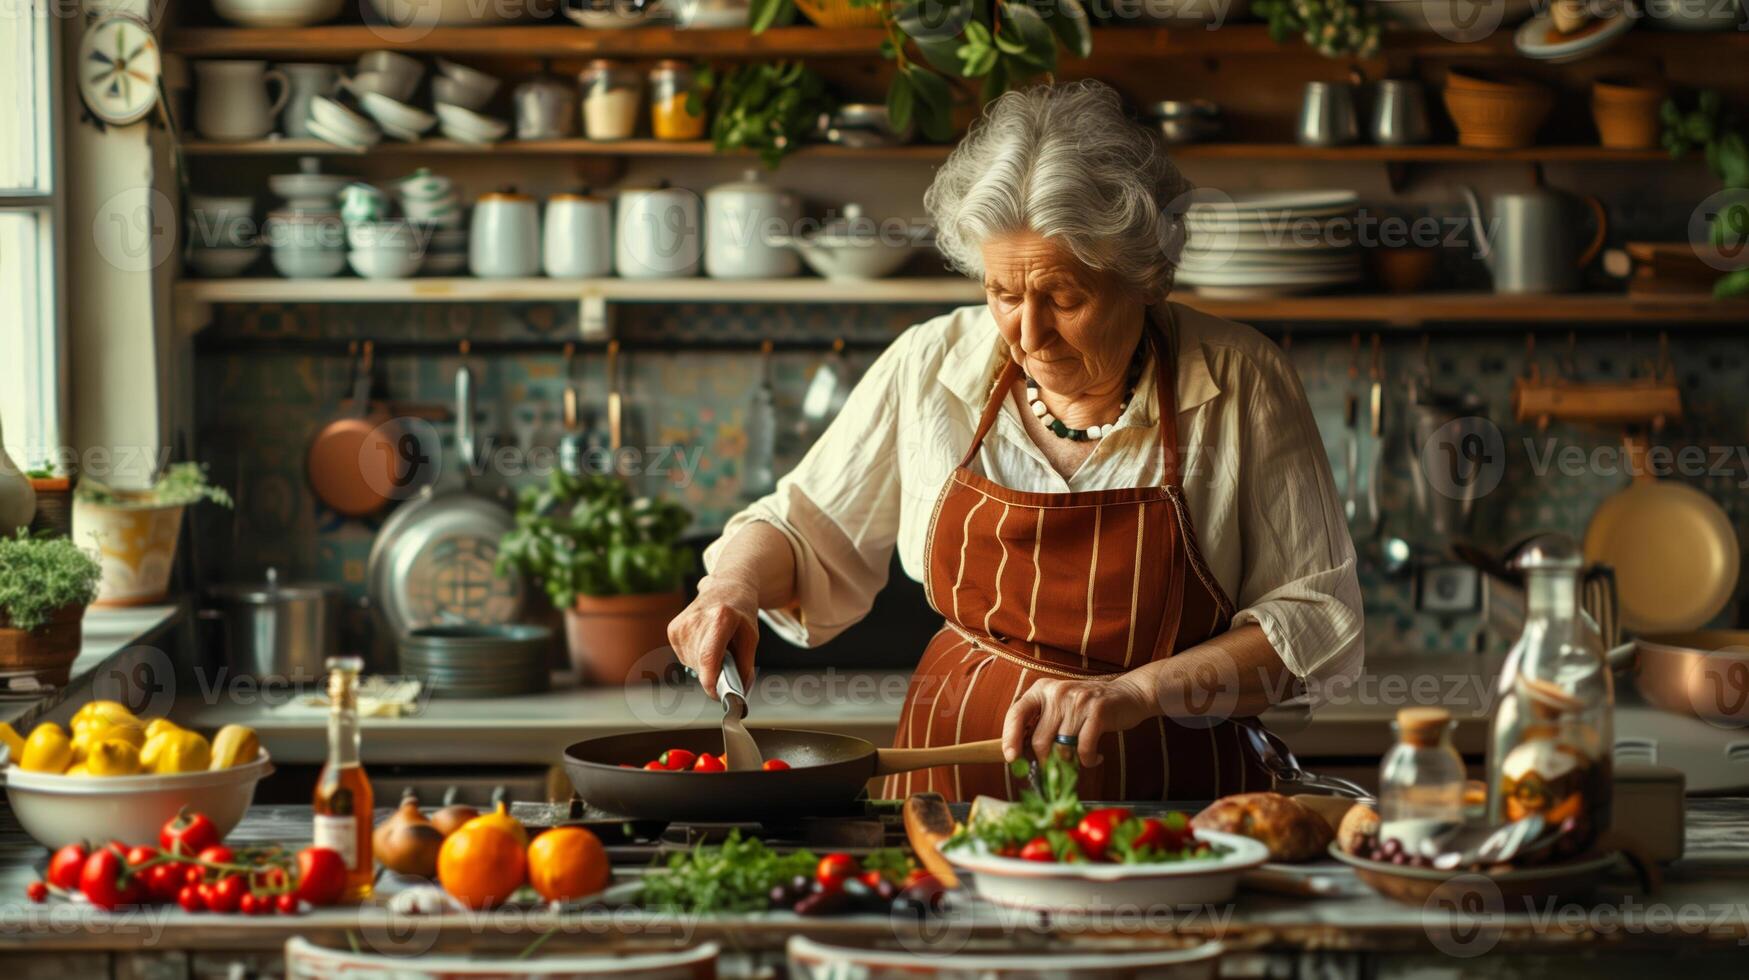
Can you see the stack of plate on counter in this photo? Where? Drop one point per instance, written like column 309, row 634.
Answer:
column 478, row 661
column 1251, row 244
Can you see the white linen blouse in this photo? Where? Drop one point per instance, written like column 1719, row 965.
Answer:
column 1256, row 481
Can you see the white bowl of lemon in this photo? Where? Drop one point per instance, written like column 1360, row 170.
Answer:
column 118, row 777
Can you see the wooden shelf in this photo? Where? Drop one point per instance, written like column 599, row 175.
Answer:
column 932, row 153
column 562, row 148
column 1404, row 311
column 343, row 41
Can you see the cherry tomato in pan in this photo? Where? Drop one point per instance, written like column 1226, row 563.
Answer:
column 774, row 765
column 676, row 759
column 708, row 763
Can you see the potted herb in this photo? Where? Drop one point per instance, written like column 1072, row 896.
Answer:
column 54, row 501
column 135, row 531
column 1711, row 129
column 613, row 562
column 1333, row 28
column 45, row 585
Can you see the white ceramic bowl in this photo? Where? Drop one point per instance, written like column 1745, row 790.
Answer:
column 384, row 261
column 402, row 73
column 443, row 211
column 307, row 187
column 322, row 132
column 59, row 810
column 297, row 262
column 203, row 232
column 469, row 126
column 811, row 960
column 472, row 81
column 448, row 13
column 853, row 259
column 397, row 118
column 1106, row 889
column 222, row 263
column 220, row 207
column 328, row 113
column 444, row 89
column 391, row 233
column 290, row 229
column 277, row 13
column 424, row 185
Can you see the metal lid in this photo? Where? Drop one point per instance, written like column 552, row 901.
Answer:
column 1549, row 552
column 272, row 590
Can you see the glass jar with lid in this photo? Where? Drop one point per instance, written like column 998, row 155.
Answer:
column 1421, row 779
column 612, row 94
column 671, row 85
column 1552, row 733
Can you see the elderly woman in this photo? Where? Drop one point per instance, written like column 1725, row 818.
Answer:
column 1120, row 505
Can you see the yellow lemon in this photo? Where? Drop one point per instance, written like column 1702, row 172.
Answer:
column 158, row 726
column 113, row 757
column 177, row 751
column 47, row 749
column 14, row 742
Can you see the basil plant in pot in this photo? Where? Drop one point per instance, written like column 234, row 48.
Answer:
column 613, row 562
column 45, row 585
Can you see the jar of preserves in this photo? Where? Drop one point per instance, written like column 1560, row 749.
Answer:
column 612, row 93
column 1421, row 779
column 1552, row 732
column 671, row 88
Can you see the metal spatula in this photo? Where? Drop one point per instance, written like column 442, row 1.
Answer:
column 738, row 746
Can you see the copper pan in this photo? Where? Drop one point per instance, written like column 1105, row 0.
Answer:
column 1704, row 674
column 355, row 462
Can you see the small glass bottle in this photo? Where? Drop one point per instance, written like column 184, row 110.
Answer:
column 1552, row 735
column 1421, row 779
column 343, row 801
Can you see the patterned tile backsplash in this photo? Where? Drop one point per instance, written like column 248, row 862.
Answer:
column 262, row 395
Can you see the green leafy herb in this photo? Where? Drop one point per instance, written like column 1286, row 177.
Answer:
column 738, row 875
column 180, row 485
column 587, row 535
column 40, row 576
column 768, row 108
column 1718, row 134
column 1333, row 28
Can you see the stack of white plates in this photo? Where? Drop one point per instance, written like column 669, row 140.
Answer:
column 1270, row 243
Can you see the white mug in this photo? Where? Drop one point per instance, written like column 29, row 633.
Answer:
column 656, row 234
column 577, row 237
column 231, row 103
column 504, row 241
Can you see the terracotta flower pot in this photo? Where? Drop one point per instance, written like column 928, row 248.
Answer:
column 609, row 635
column 1626, row 113
column 45, row 653
column 137, row 548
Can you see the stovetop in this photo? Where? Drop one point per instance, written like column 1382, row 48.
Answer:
column 859, row 828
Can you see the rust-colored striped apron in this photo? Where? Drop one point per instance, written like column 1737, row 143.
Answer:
column 1077, row 585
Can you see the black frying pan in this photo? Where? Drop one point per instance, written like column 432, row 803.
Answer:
column 827, row 771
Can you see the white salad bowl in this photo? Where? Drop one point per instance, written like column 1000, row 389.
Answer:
column 1104, row 889
column 57, row 809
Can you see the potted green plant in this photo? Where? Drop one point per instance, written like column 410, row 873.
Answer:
column 1712, row 129
column 613, row 562
column 45, row 585
column 135, row 531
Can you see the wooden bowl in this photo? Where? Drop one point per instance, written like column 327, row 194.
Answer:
column 1461, row 888
column 1626, row 113
column 1495, row 114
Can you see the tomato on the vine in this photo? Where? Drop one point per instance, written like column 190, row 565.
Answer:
column 188, row 833
column 105, row 882
column 65, row 866
column 321, row 875
column 835, row 869
column 224, row 895
column 190, row 900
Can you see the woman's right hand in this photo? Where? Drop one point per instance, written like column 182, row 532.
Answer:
column 724, row 617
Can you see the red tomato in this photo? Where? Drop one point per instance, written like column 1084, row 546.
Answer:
column 217, row 854
column 872, row 879
column 139, row 854
column 64, row 867
column 37, row 891
column 834, row 869
column 655, row 765
column 676, row 759
column 272, row 878
column 627, row 765
column 253, row 904
column 1154, row 835
column 224, row 895
column 188, row 833
column 101, row 881
column 321, row 875
column 163, row 881
column 1037, row 849
column 774, row 765
column 190, row 900
column 708, row 763
column 1093, row 833
column 918, row 876
column 286, row 904
column 194, row 874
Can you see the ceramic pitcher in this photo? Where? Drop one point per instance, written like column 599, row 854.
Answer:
column 231, row 99
column 307, row 81
column 1532, row 243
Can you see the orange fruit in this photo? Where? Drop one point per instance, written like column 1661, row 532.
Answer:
column 502, row 819
column 481, row 865
column 566, row 863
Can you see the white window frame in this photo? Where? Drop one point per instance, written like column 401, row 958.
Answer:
column 45, row 367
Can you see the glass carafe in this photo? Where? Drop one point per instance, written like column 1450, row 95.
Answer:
column 1421, row 779
column 1552, row 733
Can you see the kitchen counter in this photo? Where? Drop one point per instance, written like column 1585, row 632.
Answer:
column 106, row 634
column 1700, row 910
column 534, row 729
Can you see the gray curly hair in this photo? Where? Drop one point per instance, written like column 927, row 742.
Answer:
column 1065, row 162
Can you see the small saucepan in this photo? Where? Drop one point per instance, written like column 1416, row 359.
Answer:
column 827, row 772
column 1704, row 673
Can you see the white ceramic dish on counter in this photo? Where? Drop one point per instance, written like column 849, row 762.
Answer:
column 385, row 261
column 58, row 810
column 1095, row 889
column 277, row 13
column 810, row 960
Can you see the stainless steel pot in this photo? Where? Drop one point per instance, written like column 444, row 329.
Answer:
column 277, row 631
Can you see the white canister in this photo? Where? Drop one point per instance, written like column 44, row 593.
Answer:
column 577, row 237
column 504, row 241
column 656, row 233
column 739, row 219
column 231, row 101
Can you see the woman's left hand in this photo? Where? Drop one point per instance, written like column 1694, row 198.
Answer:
column 1085, row 709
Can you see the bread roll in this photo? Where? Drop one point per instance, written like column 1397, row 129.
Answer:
column 1290, row 831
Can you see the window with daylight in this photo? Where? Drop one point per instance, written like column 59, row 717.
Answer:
column 30, row 208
